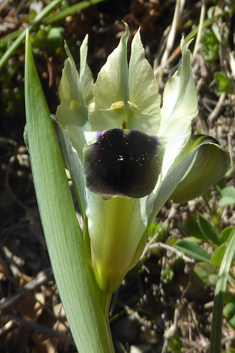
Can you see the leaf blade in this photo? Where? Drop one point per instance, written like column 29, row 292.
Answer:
column 63, row 235
column 220, row 289
column 193, row 250
column 208, row 230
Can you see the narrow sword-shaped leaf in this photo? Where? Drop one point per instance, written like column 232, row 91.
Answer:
column 220, row 289
column 77, row 289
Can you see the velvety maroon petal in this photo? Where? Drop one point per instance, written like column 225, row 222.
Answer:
column 122, row 162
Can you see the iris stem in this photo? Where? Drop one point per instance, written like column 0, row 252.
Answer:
column 105, row 305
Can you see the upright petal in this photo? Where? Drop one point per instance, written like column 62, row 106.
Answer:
column 143, row 92
column 111, row 90
column 72, row 113
column 86, row 78
column 178, row 110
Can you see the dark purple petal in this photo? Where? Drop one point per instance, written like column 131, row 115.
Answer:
column 122, row 162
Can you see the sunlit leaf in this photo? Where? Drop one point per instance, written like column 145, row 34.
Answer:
column 217, row 256
column 228, row 196
column 226, row 233
column 208, row 230
column 193, row 250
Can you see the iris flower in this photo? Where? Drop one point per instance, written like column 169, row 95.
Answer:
column 127, row 153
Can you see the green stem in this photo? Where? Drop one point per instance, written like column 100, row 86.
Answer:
column 105, row 305
column 208, row 205
column 194, row 32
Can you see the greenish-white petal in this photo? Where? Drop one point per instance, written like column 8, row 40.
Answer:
column 111, row 118
column 178, row 110
column 86, row 78
column 116, row 227
column 111, row 88
column 75, row 167
column 72, row 113
column 143, row 91
column 201, row 164
column 209, row 164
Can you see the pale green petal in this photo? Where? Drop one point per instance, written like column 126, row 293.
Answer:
column 75, row 167
column 201, row 164
column 178, row 110
column 111, row 87
column 115, row 227
column 86, row 78
column 143, row 91
column 72, row 113
column 108, row 118
column 209, row 165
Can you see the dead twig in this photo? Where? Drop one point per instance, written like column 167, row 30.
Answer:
column 43, row 330
column 171, row 215
column 215, row 113
column 200, row 27
column 172, row 249
column 42, row 278
column 171, row 331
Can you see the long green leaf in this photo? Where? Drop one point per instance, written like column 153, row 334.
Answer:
column 70, row 10
column 79, row 294
column 217, row 320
